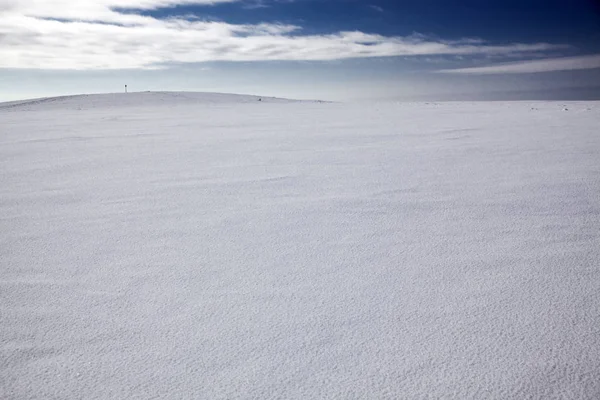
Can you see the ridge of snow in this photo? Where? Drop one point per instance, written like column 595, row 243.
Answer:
column 137, row 99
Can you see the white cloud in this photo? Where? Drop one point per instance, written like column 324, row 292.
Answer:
column 376, row 8
column 524, row 67
column 93, row 34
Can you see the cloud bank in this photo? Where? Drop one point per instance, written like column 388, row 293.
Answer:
column 526, row 67
column 98, row 34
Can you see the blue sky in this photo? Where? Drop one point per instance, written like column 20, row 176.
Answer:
column 328, row 49
column 497, row 20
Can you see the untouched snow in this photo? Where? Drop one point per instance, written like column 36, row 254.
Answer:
column 136, row 99
column 185, row 246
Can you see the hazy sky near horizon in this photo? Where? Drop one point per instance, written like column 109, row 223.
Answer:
column 326, row 49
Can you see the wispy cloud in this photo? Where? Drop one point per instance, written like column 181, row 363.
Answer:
column 376, row 8
column 94, row 34
column 533, row 66
column 255, row 4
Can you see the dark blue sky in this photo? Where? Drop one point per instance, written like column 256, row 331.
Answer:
column 574, row 22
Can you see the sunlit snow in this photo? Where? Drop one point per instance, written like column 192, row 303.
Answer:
column 203, row 246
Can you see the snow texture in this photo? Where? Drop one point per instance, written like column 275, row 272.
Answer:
column 195, row 246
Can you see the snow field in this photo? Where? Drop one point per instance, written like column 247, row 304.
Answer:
column 202, row 247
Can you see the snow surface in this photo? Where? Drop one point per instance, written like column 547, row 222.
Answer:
column 137, row 99
column 193, row 246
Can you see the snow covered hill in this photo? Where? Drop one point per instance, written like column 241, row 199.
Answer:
column 194, row 246
column 135, row 99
